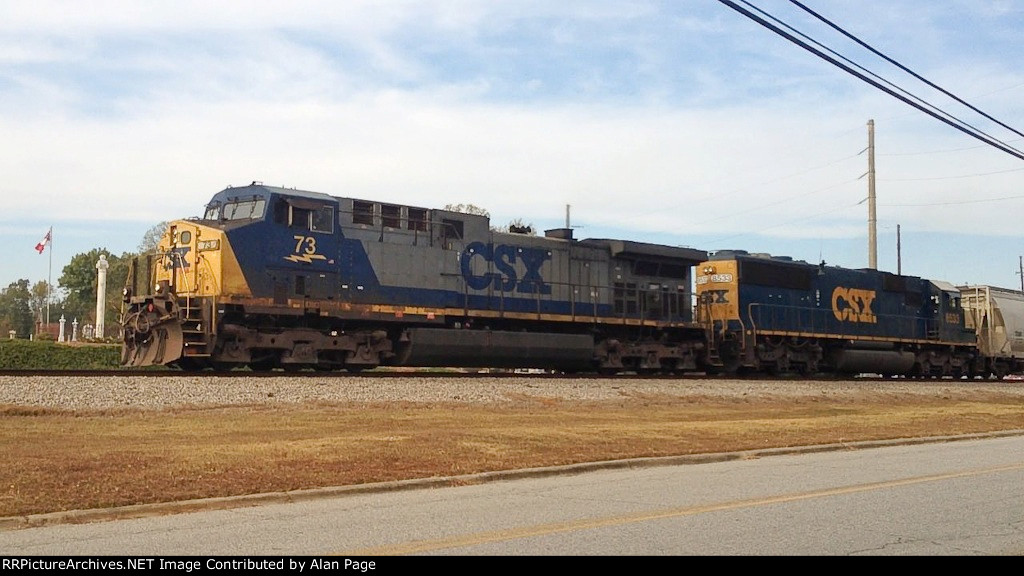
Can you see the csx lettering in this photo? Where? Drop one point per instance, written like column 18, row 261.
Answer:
column 504, row 258
column 176, row 258
column 853, row 305
column 716, row 296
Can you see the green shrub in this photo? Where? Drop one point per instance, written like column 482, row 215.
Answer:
column 50, row 355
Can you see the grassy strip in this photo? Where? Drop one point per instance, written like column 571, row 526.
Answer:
column 63, row 460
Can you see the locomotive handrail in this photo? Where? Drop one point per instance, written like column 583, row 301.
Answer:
column 180, row 265
column 216, row 291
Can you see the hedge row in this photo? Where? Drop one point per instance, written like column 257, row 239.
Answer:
column 48, row 355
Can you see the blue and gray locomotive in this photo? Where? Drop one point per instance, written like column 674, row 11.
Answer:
column 273, row 277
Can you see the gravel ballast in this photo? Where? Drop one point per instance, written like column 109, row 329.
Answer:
column 104, row 392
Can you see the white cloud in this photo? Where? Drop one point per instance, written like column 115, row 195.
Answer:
column 654, row 120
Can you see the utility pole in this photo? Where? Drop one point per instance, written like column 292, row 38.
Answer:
column 899, row 258
column 1020, row 264
column 872, row 241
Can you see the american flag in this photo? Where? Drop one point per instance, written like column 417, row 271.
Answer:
column 42, row 245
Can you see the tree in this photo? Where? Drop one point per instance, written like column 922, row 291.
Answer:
column 467, row 209
column 39, row 294
column 151, row 239
column 80, row 279
column 16, row 310
column 517, row 226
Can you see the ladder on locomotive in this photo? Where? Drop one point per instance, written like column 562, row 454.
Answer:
column 197, row 315
column 195, row 324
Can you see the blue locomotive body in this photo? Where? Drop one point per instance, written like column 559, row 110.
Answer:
column 779, row 314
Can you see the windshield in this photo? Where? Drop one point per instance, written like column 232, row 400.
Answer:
column 250, row 209
column 212, row 212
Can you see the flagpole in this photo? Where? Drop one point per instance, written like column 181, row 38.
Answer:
column 49, row 277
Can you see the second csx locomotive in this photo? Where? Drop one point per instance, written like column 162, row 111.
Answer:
column 778, row 315
column 275, row 277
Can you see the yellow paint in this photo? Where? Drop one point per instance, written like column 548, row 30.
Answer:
column 718, row 290
column 206, row 263
column 853, row 305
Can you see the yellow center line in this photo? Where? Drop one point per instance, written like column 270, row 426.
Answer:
column 588, row 524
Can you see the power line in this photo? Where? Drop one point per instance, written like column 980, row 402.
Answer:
column 866, row 71
column 976, row 201
column 925, row 152
column 787, row 223
column 952, row 177
column 777, row 202
column 959, row 125
column 900, row 66
column 719, row 196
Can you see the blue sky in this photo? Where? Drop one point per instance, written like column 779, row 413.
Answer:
column 677, row 122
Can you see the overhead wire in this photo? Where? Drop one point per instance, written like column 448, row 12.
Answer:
column 941, row 116
column 900, row 66
column 786, row 223
column 719, row 196
column 953, row 177
column 959, row 202
column 908, row 98
column 862, row 68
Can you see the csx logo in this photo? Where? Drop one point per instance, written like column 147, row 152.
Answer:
column 853, row 305
column 504, row 258
column 176, row 258
column 715, row 296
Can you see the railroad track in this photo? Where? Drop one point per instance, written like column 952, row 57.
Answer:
column 378, row 373
column 467, row 374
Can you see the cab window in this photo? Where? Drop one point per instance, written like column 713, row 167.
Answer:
column 323, row 220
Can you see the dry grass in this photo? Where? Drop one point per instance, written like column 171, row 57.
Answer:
column 62, row 460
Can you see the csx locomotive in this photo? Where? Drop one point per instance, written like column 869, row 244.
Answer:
column 777, row 315
column 273, row 277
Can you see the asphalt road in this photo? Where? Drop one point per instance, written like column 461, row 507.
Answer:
column 963, row 497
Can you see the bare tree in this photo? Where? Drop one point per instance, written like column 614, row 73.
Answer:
column 151, row 239
column 467, row 209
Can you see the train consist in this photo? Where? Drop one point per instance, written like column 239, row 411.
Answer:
column 274, row 277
